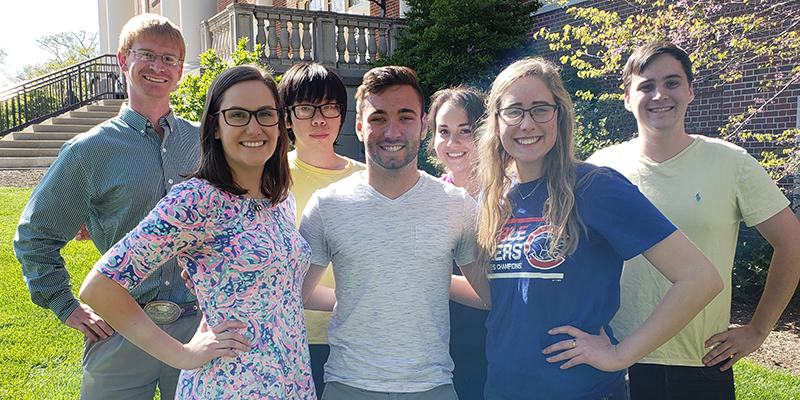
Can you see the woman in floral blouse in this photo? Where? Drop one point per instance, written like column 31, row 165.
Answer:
column 232, row 227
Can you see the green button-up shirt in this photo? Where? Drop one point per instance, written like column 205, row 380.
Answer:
column 109, row 178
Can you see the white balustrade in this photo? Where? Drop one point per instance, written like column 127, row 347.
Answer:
column 342, row 41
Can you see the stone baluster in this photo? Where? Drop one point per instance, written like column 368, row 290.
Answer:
column 382, row 50
column 362, row 45
column 272, row 40
column 261, row 38
column 351, row 44
column 284, row 41
column 307, row 41
column 341, row 45
column 371, row 46
column 295, row 41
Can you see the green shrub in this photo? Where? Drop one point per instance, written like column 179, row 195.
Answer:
column 189, row 99
column 750, row 267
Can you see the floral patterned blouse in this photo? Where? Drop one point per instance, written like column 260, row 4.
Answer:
column 247, row 261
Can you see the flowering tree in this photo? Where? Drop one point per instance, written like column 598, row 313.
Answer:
column 725, row 40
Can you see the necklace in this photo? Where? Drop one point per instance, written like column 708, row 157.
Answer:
column 525, row 196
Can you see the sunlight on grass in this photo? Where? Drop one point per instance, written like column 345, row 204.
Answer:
column 755, row 381
column 40, row 357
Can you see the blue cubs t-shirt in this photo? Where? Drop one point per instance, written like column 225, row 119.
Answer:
column 533, row 293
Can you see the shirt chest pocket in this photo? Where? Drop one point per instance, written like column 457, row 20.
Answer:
column 432, row 241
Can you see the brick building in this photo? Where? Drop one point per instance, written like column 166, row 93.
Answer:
column 712, row 105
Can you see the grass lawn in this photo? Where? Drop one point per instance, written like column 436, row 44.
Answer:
column 40, row 357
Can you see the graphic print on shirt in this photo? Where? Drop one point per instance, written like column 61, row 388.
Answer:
column 522, row 251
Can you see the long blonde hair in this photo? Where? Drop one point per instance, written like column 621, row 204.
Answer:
column 497, row 171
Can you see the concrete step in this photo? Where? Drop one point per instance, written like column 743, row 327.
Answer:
column 114, row 109
column 113, row 102
column 37, row 146
column 15, row 152
column 43, row 136
column 77, row 121
column 26, row 162
column 92, row 114
column 57, row 128
column 31, row 144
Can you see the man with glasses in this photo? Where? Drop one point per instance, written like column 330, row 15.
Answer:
column 316, row 101
column 109, row 178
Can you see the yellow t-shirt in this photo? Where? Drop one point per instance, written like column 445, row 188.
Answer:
column 705, row 190
column 306, row 180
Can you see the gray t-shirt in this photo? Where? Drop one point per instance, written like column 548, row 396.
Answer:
column 392, row 261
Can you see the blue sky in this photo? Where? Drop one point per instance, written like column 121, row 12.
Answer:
column 24, row 21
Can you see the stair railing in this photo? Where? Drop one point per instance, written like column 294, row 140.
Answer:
column 38, row 99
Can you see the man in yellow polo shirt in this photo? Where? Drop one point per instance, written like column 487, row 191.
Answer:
column 706, row 187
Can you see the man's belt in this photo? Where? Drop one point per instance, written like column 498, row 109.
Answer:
column 166, row 312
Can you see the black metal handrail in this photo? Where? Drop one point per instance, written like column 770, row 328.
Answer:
column 53, row 94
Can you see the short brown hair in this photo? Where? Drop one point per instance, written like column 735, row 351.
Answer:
column 151, row 26
column 641, row 57
column 377, row 80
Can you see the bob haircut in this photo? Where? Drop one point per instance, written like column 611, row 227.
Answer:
column 464, row 97
column 276, row 179
column 152, row 26
column 312, row 83
column 641, row 57
column 378, row 79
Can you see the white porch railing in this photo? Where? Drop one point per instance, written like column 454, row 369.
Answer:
column 340, row 41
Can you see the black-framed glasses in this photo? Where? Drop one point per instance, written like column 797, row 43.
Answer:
column 307, row 111
column 540, row 113
column 148, row 56
column 236, row 116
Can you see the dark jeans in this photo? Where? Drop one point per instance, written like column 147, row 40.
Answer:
column 667, row 382
column 319, row 356
column 469, row 375
column 620, row 393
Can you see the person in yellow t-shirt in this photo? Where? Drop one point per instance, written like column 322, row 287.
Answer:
column 316, row 101
column 706, row 187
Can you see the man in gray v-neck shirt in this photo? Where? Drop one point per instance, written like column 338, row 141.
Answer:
column 391, row 234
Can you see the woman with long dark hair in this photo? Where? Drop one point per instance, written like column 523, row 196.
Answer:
column 232, row 227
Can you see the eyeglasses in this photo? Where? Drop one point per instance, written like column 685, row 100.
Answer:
column 266, row 116
column 149, row 56
column 307, row 111
column 539, row 113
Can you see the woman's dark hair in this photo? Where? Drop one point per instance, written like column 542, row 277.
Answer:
column 276, row 179
column 311, row 83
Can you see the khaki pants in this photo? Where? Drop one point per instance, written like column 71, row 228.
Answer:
column 116, row 369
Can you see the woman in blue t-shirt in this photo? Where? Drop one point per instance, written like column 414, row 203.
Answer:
column 553, row 233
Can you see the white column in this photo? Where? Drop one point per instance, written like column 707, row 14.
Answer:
column 118, row 12
column 102, row 23
column 192, row 13
column 171, row 9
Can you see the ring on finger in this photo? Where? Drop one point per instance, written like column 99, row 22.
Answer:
column 574, row 342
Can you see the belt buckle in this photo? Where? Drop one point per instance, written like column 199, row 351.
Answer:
column 162, row 311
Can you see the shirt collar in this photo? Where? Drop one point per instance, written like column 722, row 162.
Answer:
column 139, row 122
